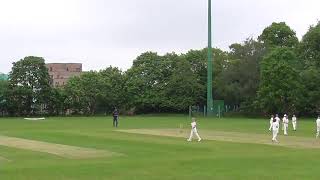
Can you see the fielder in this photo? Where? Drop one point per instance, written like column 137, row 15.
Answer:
column 271, row 121
column 318, row 126
column 194, row 130
column 294, row 122
column 285, row 124
column 277, row 119
column 275, row 130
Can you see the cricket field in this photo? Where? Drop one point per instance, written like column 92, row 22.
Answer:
column 154, row 147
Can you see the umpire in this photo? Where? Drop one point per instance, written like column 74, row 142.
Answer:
column 115, row 115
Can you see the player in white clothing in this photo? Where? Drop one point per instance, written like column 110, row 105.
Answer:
column 318, row 126
column 294, row 122
column 271, row 121
column 277, row 119
column 275, row 130
column 194, row 130
column 285, row 124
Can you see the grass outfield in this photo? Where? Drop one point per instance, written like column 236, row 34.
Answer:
column 155, row 157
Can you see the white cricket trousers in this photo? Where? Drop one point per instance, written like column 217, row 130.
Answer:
column 285, row 129
column 294, row 125
column 274, row 135
column 194, row 131
column 318, row 131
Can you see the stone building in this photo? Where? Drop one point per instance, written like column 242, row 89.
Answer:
column 60, row 73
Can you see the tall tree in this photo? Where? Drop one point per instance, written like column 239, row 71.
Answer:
column 280, row 87
column 311, row 93
column 309, row 52
column 57, row 103
column 3, row 99
column 183, row 88
column 309, row 49
column 84, row 92
column 198, row 62
column 239, row 81
column 279, row 35
column 29, row 85
column 113, row 92
column 145, row 80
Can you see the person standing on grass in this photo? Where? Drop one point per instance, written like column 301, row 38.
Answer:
column 294, row 122
column 318, row 126
column 115, row 115
column 271, row 121
column 277, row 119
column 275, row 130
column 285, row 124
column 194, row 130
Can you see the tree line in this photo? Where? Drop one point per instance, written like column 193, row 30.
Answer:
column 274, row 73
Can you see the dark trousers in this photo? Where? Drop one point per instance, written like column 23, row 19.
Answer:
column 115, row 121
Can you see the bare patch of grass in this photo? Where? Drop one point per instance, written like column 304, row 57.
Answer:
column 66, row 151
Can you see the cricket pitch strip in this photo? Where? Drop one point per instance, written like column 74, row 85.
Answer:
column 285, row 141
column 66, row 151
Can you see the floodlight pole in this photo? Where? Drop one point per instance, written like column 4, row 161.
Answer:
column 210, row 59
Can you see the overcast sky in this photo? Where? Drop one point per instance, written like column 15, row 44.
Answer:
column 100, row 33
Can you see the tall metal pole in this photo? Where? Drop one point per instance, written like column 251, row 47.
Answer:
column 210, row 59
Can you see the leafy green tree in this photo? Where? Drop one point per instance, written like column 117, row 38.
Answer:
column 309, row 52
column 239, row 81
column 279, row 35
column 56, row 102
column 3, row 99
column 280, row 87
column 198, row 61
column 182, row 88
column 145, row 81
column 29, row 86
column 309, row 49
column 83, row 92
column 113, row 92
column 311, row 91
column 95, row 92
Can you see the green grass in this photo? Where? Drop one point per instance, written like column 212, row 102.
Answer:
column 153, row 157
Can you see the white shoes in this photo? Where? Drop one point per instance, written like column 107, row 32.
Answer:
column 199, row 140
column 189, row 140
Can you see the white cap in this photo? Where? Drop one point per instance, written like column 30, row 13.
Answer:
column 285, row 114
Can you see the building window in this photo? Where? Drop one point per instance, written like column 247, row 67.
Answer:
column 50, row 68
column 67, row 69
